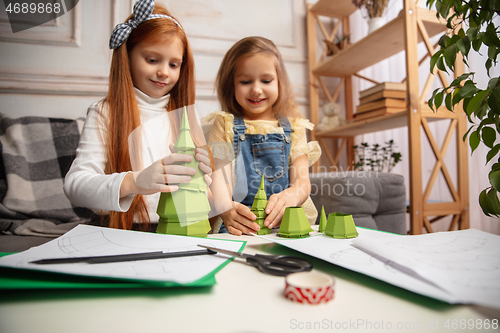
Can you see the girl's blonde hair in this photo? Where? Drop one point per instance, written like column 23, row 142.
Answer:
column 124, row 115
column 285, row 105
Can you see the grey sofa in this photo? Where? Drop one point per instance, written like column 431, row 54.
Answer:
column 375, row 200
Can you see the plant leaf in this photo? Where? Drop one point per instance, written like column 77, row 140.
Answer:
column 494, row 101
column 447, row 101
column 494, row 82
column 434, row 59
column 468, row 90
column 477, row 101
column 489, row 136
column 463, row 46
column 438, row 100
column 482, row 112
column 450, row 55
column 494, row 202
column 440, row 64
column 484, row 202
column 495, row 167
column 467, row 133
column 472, row 32
column 476, row 43
column 494, row 177
column 490, row 38
column 474, row 141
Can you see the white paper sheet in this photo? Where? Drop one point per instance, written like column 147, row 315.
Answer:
column 465, row 262
column 86, row 240
column 425, row 264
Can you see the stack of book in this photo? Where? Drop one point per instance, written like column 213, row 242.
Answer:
column 384, row 98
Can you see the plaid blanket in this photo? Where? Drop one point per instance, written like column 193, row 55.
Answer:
column 36, row 153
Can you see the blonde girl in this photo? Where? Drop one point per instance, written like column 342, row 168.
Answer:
column 152, row 73
column 260, row 132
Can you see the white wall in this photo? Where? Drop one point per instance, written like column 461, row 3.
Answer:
column 60, row 68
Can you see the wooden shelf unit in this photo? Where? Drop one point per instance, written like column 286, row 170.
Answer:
column 412, row 26
column 381, row 44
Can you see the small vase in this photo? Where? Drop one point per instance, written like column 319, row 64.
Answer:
column 374, row 23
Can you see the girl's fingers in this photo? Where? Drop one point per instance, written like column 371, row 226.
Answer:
column 201, row 151
column 273, row 199
column 242, row 228
column 271, row 209
column 205, row 168
column 276, row 221
column 208, row 180
column 203, row 159
column 169, row 188
column 178, row 170
column 241, row 218
column 245, row 212
column 159, row 188
column 248, row 226
column 232, row 230
column 174, row 179
column 174, row 157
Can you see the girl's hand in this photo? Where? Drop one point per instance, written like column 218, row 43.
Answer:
column 276, row 206
column 162, row 175
column 295, row 195
column 240, row 220
column 202, row 156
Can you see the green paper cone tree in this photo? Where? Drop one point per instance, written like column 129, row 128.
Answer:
column 294, row 223
column 322, row 220
column 340, row 226
column 259, row 208
column 185, row 211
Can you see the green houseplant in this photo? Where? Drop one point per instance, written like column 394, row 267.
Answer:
column 376, row 158
column 482, row 106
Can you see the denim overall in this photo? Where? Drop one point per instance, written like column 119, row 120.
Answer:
column 257, row 155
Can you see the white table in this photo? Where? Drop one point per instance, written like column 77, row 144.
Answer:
column 243, row 300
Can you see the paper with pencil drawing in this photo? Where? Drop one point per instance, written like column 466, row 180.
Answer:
column 456, row 267
column 86, row 240
column 465, row 262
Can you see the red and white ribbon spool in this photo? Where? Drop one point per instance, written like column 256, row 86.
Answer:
column 309, row 287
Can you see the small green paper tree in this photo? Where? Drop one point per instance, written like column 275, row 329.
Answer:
column 294, row 223
column 322, row 220
column 259, row 208
column 341, row 226
column 185, row 211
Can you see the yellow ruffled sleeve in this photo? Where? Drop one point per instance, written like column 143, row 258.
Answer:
column 218, row 129
column 300, row 146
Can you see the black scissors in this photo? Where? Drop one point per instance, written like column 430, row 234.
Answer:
column 274, row 265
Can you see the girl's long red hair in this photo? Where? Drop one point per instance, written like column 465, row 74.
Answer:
column 124, row 116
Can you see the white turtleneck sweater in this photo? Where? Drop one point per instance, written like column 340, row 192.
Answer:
column 86, row 184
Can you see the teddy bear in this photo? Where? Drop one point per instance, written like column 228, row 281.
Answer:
column 332, row 117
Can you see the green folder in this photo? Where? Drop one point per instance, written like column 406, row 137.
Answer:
column 25, row 279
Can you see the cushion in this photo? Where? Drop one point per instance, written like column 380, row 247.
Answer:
column 36, row 153
column 375, row 200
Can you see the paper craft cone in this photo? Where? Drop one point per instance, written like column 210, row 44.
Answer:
column 185, row 211
column 259, row 208
column 322, row 220
column 294, row 223
column 340, row 226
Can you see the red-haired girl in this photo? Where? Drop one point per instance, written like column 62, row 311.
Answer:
column 152, row 72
